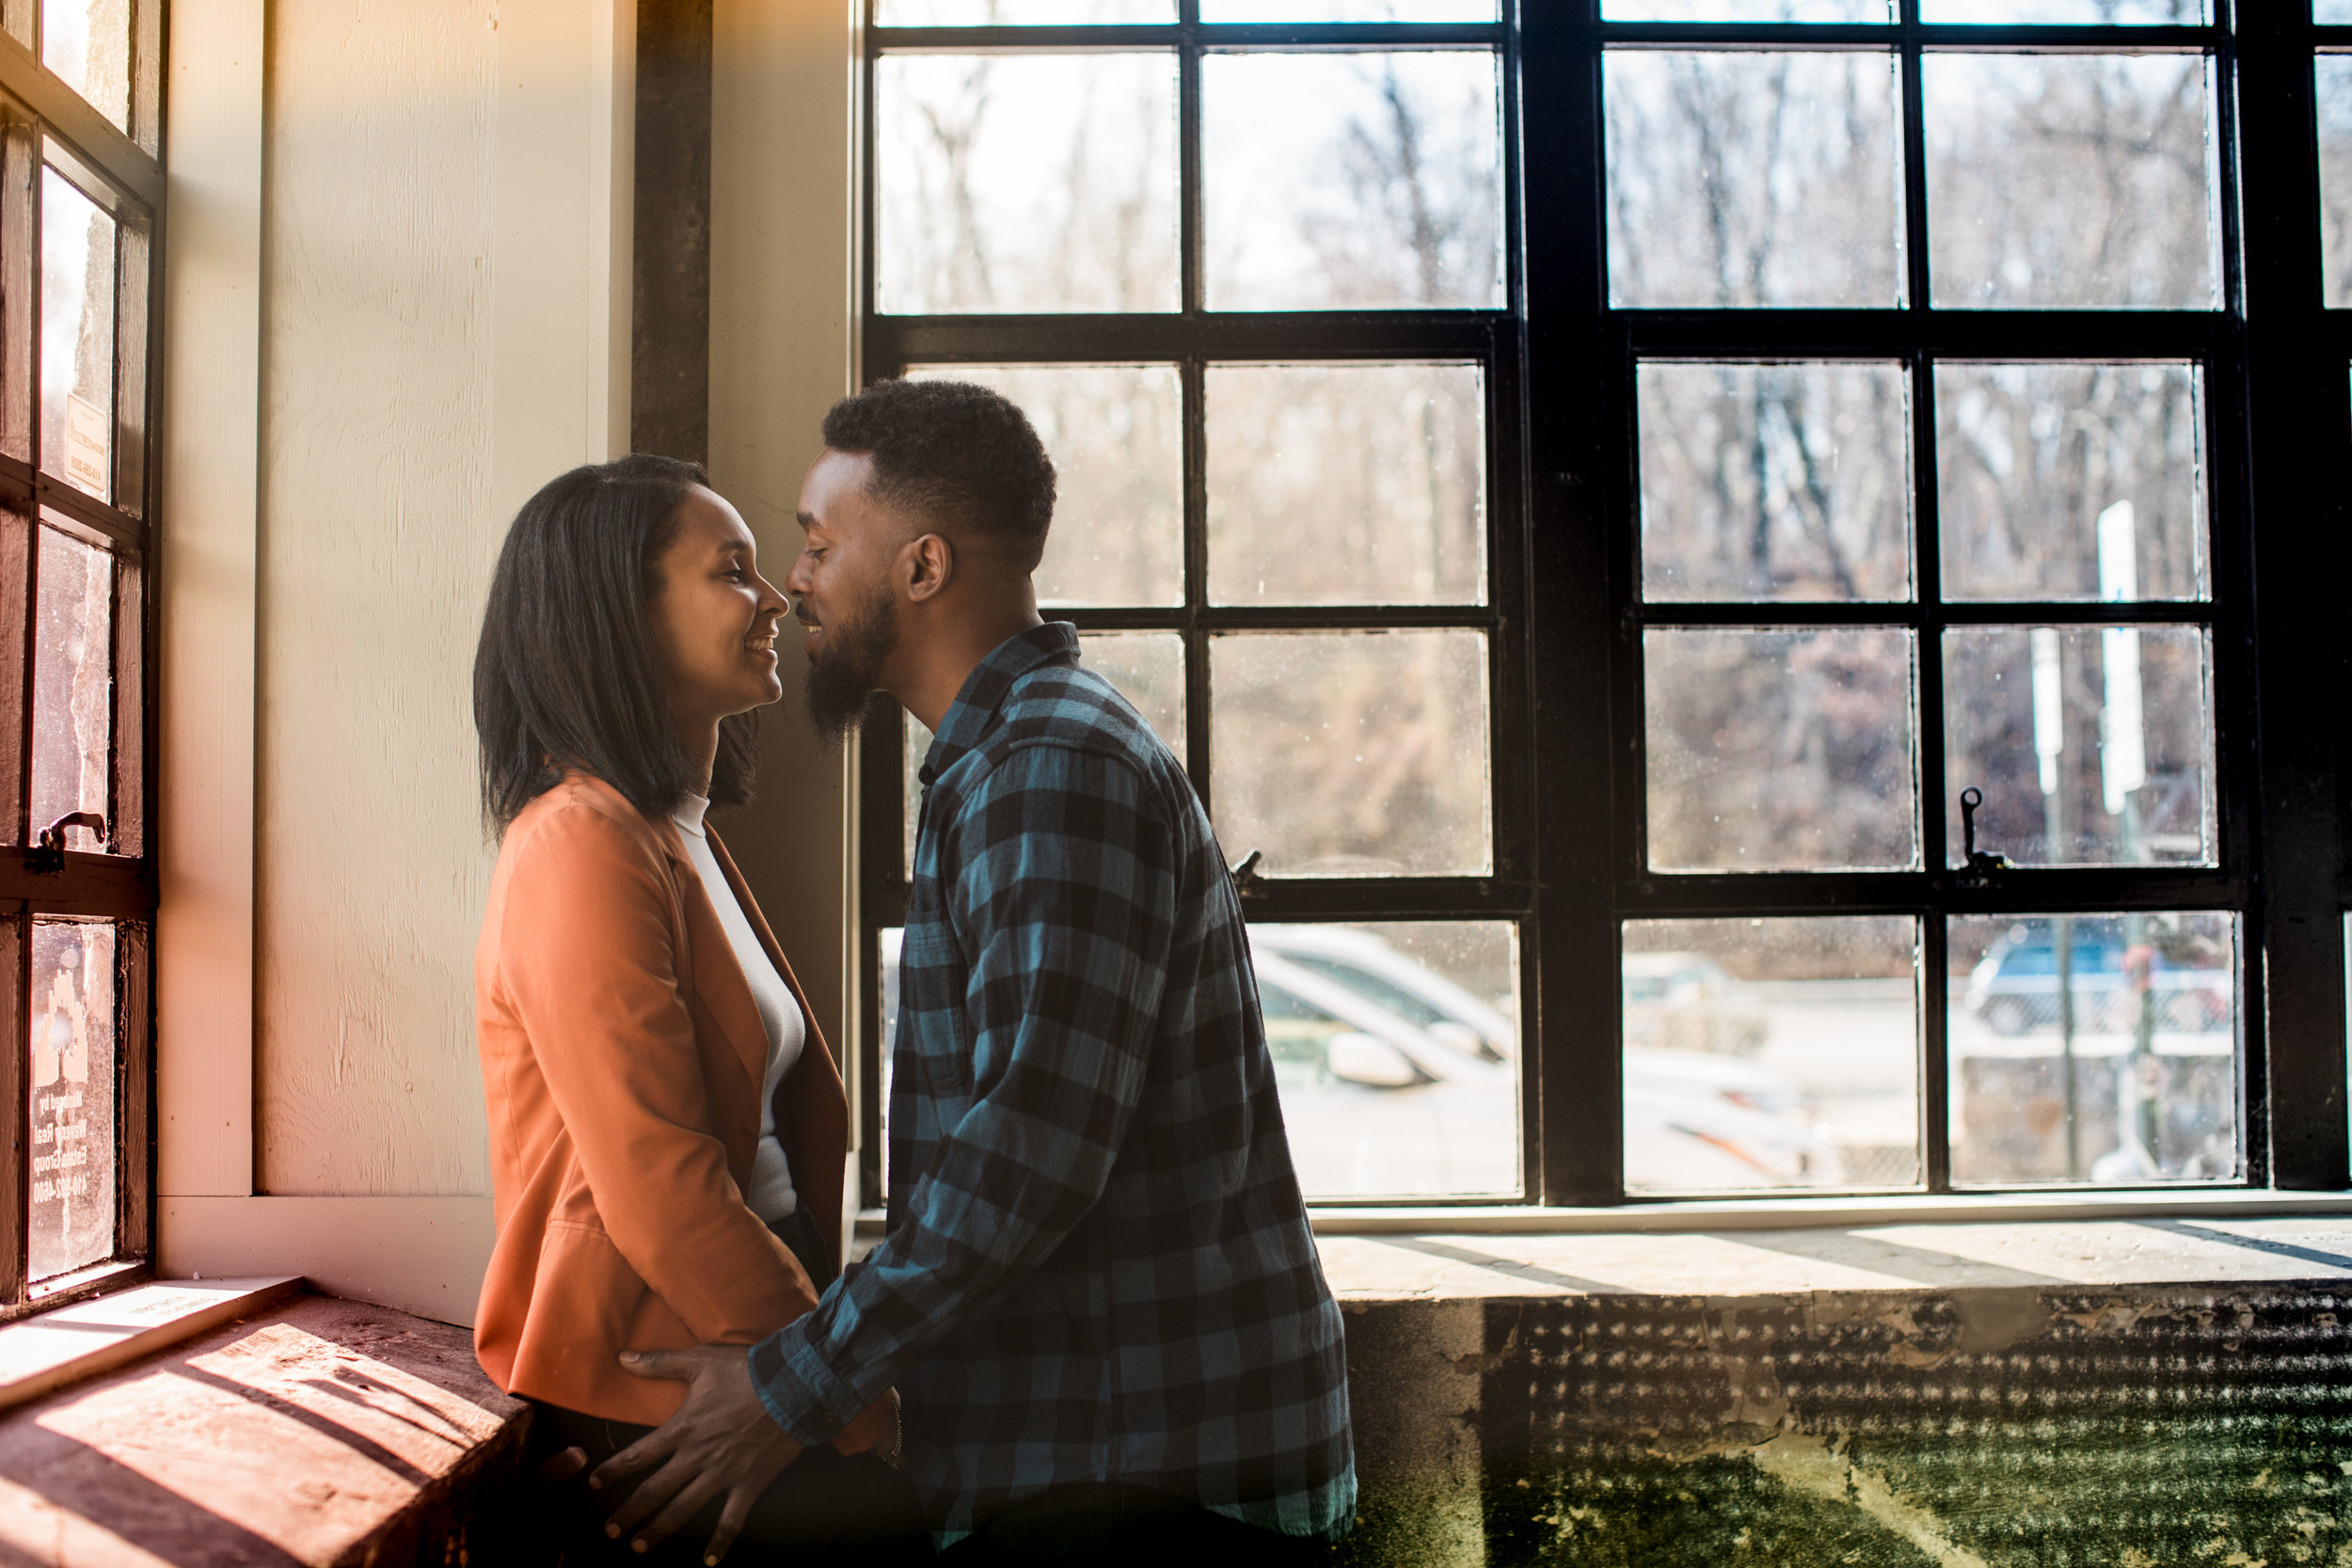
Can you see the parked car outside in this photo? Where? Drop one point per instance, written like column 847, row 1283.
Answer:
column 2014, row 989
column 1688, row 1002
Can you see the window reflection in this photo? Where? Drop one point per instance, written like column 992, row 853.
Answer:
column 88, row 44
column 2075, row 180
column 78, row 337
column 2098, row 1048
column 1346, row 485
column 1777, row 1052
column 2033, row 461
column 1748, row 179
column 1776, row 481
column 1364, row 181
column 1779, row 750
column 1395, row 1047
column 2094, row 745
column 72, row 685
column 1353, row 753
column 2333, row 85
column 1040, row 182
column 72, row 1079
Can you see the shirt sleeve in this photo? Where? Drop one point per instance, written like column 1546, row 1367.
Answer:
column 1060, row 873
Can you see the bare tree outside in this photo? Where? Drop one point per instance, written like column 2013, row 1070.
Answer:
column 2334, row 93
column 2078, row 180
column 1026, row 182
column 1753, row 177
column 1776, row 481
column 1362, row 180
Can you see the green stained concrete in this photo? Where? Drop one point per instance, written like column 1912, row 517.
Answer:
column 2022, row 1429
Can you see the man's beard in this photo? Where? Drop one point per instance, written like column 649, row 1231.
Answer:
column 849, row 668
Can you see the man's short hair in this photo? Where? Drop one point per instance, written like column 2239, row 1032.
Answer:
column 955, row 454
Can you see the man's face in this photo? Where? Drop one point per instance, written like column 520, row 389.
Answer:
column 842, row 589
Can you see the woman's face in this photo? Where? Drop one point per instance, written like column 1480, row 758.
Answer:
column 714, row 617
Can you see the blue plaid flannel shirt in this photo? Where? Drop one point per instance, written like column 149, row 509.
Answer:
column 1098, row 1265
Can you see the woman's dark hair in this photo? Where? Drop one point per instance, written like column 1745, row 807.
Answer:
column 566, row 675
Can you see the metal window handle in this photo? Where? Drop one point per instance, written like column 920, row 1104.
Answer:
column 47, row 855
column 1246, row 875
column 1982, row 865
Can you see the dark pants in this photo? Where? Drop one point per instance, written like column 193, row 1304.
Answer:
column 1107, row 1525
column 826, row 1508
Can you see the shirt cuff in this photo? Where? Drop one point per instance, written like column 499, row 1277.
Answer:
column 800, row 1392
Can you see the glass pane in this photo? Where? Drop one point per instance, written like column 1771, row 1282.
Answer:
column 2334, row 93
column 1747, row 10
column 1347, row 10
column 1353, row 753
column 1040, row 182
column 1346, row 485
column 1772, row 1053
column 1748, row 178
column 2331, row 11
column 1147, row 667
column 1020, row 14
column 1396, row 1048
column 2095, row 739
column 71, row 1008
column 2093, row 1048
column 1352, row 181
column 88, row 44
column 2078, row 13
column 1776, row 481
column 2070, row 481
column 72, row 684
column 78, row 337
column 2078, row 180
column 1116, row 436
column 1774, row 751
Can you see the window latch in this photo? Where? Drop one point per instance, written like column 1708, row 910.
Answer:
column 47, row 855
column 1982, row 866
column 1246, row 875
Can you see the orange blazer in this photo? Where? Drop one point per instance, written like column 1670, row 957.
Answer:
column 621, row 1059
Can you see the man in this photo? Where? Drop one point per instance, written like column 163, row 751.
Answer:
column 1098, row 1292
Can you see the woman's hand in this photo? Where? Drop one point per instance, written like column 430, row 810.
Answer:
column 721, row 1440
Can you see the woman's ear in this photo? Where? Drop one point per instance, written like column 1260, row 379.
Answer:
column 926, row 564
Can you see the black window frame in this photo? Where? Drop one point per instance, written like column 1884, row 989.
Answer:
column 1566, row 612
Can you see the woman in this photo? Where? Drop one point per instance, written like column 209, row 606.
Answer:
column 667, row 1126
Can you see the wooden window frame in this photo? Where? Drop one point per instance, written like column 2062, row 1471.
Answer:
column 43, row 120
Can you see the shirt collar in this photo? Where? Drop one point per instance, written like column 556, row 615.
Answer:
column 973, row 714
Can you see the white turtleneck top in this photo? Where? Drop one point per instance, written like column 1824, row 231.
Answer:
column 770, row 1197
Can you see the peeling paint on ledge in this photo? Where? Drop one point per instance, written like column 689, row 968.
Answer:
column 2141, row 1427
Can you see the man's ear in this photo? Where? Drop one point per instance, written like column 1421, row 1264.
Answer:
column 926, row 565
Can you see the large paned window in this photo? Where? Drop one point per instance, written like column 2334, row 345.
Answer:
column 80, row 188
column 1702, row 553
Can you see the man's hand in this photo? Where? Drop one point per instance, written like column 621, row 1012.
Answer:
column 721, row 1439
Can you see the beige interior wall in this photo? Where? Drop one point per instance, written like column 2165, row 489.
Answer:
column 401, row 304
column 781, row 352
column 438, row 339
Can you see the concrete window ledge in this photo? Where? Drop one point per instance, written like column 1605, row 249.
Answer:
column 275, row 1427
column 2129, row 1392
